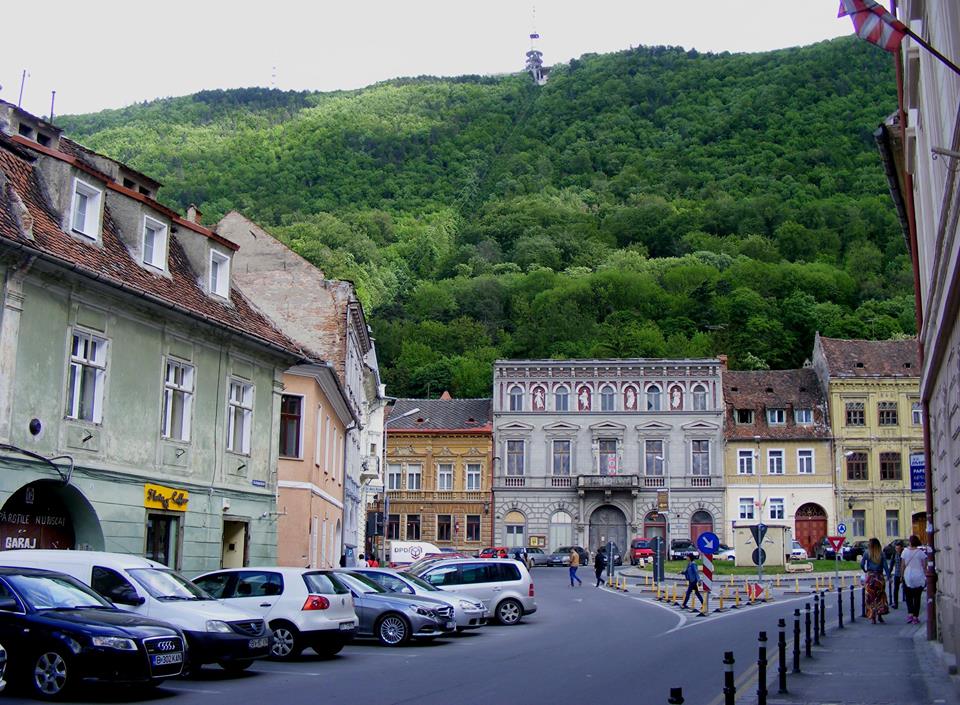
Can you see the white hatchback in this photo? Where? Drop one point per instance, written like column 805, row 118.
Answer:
column 305, row 608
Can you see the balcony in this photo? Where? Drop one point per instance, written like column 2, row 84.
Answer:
column 369, row 468
column 438, row 496
column 608, row 482
column 700, row 481
column 564, row 481
column 654, row 482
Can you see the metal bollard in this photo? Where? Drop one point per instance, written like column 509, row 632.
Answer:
column 853, row 605
column 796, row 640
column 806, row 631
column 823, row 614
column 839, row 607
column 676, row 696
column 816, row 619
column 762, row 669
column 729, row 687
column 782, row 655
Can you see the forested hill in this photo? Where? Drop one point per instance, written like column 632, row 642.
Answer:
column 652, row 202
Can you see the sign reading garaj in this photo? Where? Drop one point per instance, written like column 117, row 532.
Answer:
column 168, row 498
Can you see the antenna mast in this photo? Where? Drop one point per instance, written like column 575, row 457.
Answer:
column 534, row 64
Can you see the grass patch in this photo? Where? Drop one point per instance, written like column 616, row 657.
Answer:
column 727, row 568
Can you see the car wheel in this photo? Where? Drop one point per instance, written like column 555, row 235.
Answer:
column 393, row 630
column 235, row 666
column 286, row 641
column 509, row 612
column 329, row 650
column 52, row 675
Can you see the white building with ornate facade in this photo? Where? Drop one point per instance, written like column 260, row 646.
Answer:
column 592, row 450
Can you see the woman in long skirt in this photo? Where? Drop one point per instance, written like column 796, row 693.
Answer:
column 877, row 569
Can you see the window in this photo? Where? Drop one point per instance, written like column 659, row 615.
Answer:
column 653, row 457
column 85, row 216
column 413, row 527
column 699, row 398
column 514, row 457
column 890, row 468
column 473, row 527
column 473, row 477
column 514, row 535
column 154, row 243
column 394, row 475
column 653, row 397
column 414, row 477
column 219, row 274
column 163, row 540
column 887, row 413
column 893, row 523
column 776, row 508
column 859, row 522
column 561, row 457
column 743, row 416
column 239, row 416
column 701, row 457
column 88, row 369
column 177, row 401
column 803, row 417
column 776, row 417
column 774, row 462
column 607, row 398
column 804, row 462
column 445, row 477
column 855, row 415
column 516, row 399
column 112, row 585
column 608, row 456
column 393, row 527
column 444, row 527
column 857, row 466
column 916, row 413
column 746, row 508
column 291, row 414
column 745, row 462
column 561, row 399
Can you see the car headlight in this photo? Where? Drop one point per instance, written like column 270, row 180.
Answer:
column 468, row 605
column 215, row 625
column 423, row 611
column 115, row 642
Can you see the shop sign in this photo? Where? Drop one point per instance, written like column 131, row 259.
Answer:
column 168, row 498
column 35, row 518
column 918, row 474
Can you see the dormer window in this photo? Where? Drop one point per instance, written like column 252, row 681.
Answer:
column 776, row 417
column 154, row 242
column 219, row 274
column 85, row 216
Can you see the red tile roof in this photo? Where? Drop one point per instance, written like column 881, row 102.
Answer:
column 774, row 389
column 871, row 358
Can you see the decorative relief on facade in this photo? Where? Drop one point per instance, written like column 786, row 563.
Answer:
column 539, row 397
column 583, row 398
column 630, row 398
column 676, row 397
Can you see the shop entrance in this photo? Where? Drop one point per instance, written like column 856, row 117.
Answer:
column 234, row 550
column 49, row 514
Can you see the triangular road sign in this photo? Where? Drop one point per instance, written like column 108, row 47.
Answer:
column 758, row 531
column 836, row 542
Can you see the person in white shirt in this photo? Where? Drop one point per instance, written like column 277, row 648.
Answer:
column 362, row 562
column 914, row 562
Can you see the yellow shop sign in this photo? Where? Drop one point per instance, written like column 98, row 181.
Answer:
column 160, row 497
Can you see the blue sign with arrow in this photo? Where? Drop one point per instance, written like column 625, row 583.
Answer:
column 708, row 542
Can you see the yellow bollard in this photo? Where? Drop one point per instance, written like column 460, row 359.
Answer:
column 703, row 604
column 830, row 588
column 722, row 595
column 796, row 584
column 778, row 580
column 675, row 600
column 737, row 594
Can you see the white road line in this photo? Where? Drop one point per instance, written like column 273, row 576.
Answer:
column 181, row 689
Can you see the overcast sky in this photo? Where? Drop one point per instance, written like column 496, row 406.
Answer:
column 108, row 54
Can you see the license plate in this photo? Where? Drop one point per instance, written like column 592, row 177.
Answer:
column 165, row 659
column 259, row 643
column 346, row 626
column 451, row 625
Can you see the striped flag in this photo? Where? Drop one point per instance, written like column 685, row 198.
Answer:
column 874, row 23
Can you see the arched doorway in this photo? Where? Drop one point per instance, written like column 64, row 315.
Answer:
column 514, row 523
column 608, row 523
column 561, row 530
column 654, row 524
column 700, row 523
column 810, row 526
column 49, row 514
column 919, row 527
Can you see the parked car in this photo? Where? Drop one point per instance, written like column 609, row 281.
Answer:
column 681, row 548
column 304, row 608
column 494, row 552
column 824, row 551
column 581, row 551
column 559, row 557
column 216, row 632
column 617, row 558
column 725, row 553
column 394, row 618
column 798, row 552
column 640, row 550
column 853, row 551
column 61, row 632
column 468, row 613
column 537, row 557
column 503, row 585
column 3, row 668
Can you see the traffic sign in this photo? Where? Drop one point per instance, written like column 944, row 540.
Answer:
column 758, row 531
column 836, row 542
column 759, row 556
column 707, row 577
column 841, row 528
column 708, row 542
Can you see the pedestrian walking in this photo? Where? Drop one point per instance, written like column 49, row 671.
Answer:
column 897, row 573
column 914, row 561
column 574, row 564
column 877, row 569
column 599, row 563
column 693, row 578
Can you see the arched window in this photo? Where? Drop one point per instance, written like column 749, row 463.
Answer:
column 561, row 530
column 514, row 522
column 561, row 398
column 516, row 398
column 699, row 398
column 607, row 398
column 653, row 397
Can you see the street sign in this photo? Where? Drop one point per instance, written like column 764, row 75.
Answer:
column 707, row 577
column 754, row 591
column 918, row 475
column 836, row 542
column 708, row 542
column 758, row 531
column 759, row 556
column 841, row 529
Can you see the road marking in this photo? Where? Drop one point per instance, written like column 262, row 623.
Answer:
column 180, row 688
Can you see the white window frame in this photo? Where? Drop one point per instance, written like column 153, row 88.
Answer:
column 694, row 454
column 518, row 468
column 414, row 472
column 916, row 413
column 445, row 473
column 93, row 198
column 159, row 246
column 779, row 454
column 652, row 460
column 776, row 416
column 777, row 508
column 561, row 392
column 554, row 457
column 219, row 274
column 92, row 354
column 747, row 503
column 170, row 389
column 887, row 519
column 604, row 468
column 516, row 396
column 803, row 455
column 803, row 416
column 240, row 394
column 394, row 476
column 653, row 393
column 474, row 477
column 745, row 462
column 699, row 397
column 608, row 398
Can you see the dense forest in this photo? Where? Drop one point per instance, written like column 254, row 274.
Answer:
column 653, row 202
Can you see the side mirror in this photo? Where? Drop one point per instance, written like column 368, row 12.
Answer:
column 127, row 596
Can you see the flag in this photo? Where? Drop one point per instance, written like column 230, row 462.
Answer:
column 874, row 23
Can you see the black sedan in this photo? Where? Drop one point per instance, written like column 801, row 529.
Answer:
column 59, row 632
column 825, row 550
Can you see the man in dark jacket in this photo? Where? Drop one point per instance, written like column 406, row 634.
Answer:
column 693, row 577
column 599, row 563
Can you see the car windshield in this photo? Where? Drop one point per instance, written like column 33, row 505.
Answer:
column 641, row 544
column 54, row 592
column 420, row 582
column 167, row 584
column 359, row 583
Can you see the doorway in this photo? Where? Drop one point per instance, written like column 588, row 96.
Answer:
column 810, row 526
column 919, row 526
column 234, row 549
column 700, row 523
column 654, row 524
column 608, row 523
column 163, row 539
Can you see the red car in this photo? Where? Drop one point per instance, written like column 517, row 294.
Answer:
column 640, row 550
column 494, row 552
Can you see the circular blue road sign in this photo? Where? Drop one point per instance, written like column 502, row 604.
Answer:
column 708, row 542
column 841, row 529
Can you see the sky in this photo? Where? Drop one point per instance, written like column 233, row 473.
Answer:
column 108, row 54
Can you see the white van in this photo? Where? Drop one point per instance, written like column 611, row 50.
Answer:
column 406, row 552
column 215, row 632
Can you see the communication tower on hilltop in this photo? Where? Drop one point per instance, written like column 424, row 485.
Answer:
column 535, row 57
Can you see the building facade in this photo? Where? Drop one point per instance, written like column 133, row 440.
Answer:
column 778, row 461
column 588, row 451
column 438, row 472
column 139, row 389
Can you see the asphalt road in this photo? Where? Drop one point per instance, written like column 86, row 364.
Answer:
column 584, row 645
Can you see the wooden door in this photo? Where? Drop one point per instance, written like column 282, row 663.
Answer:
column 810, row 526
column 920, row 527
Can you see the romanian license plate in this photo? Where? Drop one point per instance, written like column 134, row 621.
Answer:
column 451, row 625
column 166, row 659
column 346, row 626
column 259, row 643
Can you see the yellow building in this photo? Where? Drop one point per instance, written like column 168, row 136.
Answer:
column 439, row 471
column 777, row 457
column 877, row 422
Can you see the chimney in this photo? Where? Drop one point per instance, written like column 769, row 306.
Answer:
column 446, row 396
column 194, row 214
column 723, row 361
